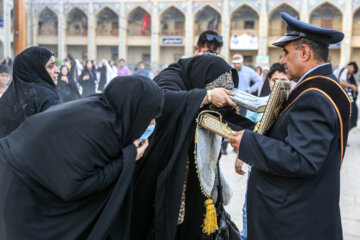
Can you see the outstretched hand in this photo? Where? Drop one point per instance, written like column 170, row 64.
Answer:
column 220, row 97
column 140, row 147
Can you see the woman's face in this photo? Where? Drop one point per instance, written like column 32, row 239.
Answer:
column 64, row 71
column 277, row 76
column 52, row 69
column 89, row 64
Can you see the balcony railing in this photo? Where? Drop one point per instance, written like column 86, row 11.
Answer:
column 77, row 32
column 173, row 32
column 107, row 32
column 47, row 32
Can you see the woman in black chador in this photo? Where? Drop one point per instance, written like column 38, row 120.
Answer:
column 66, row 173
column 66, row 85
column 162, row 175
column 32, row 90
column 88, row 79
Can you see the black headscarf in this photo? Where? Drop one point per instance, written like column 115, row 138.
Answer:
column 31, row 91
column 194, row 72
column 159, row 176
column 74, row 181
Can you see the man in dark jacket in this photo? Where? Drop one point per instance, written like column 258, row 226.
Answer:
column 294, row 186
column 32, row 90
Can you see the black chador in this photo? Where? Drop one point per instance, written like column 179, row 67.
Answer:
column 66, row 173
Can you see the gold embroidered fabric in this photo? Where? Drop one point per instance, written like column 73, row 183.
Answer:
column 182, row 204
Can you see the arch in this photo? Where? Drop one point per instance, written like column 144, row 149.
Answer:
column 47, row 21
column 46, row 8
column 174, row 6
column 277, row 27
column 173, row 24
column 72, row 9
column 283, row 5
column 244, row 5
column 290, row 5
column 326, row 15
column 134, row 9
column 205, row 6
column 107, row 22
column 135, row 20
column 106, row 6
column 79, row 24
column 325, row 3
column 201, row 17
column 356, row 24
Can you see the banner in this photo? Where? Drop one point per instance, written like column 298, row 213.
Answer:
column 244, row 42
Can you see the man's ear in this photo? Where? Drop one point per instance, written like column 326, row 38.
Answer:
column 305, row 53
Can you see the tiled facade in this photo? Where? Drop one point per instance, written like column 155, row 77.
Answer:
column 99, row 29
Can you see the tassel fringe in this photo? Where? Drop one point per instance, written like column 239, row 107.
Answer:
column 210, row 220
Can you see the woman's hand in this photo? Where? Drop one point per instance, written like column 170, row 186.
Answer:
column 140, row 147
column 220, row 97
column 86, row 77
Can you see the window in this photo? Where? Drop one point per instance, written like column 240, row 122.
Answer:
column 249, row 25
column 248, row 60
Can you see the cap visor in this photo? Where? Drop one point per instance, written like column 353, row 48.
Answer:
column 282, row 41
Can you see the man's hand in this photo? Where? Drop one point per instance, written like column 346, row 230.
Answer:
column 238, row 166
column 140, row 147
column 220, row 97
column 236, row 139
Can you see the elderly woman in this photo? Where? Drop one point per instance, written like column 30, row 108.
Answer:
column 32, row 90
column 74, row 181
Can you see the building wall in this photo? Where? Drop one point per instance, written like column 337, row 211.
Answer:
column 131, row 47
column 170, row 54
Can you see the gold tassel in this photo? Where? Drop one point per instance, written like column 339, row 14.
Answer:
column 210, row 220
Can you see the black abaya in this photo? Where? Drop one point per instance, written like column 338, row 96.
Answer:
column 31, row 91
column 159, row 177
column 74, row 181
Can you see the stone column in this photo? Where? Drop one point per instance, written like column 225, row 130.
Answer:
column 347, row 30
column 225, row 31
column 61, row 32
column 304, row 13
column 8, row 5
column 155, row 46
column 189, row 30
column 91, row 33
column 262, row 57
column 122, row 32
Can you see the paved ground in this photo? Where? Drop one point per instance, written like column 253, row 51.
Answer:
column 350, row 188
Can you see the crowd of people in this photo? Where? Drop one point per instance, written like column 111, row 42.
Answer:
column 88, row 168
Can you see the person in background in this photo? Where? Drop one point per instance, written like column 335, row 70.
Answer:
column 142, row 71
column 348, row 82
column 72, row 66
column 32, row 90
column 208, row 42
column 123, row 69
column 66, row 85
column 114, row 70
column 87, row 79
column 105, row 71
column 277, row 72
column 258, row 71
column 246, row 75
column 4, row 78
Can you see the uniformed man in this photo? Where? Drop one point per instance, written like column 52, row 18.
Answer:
column 294, row 186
